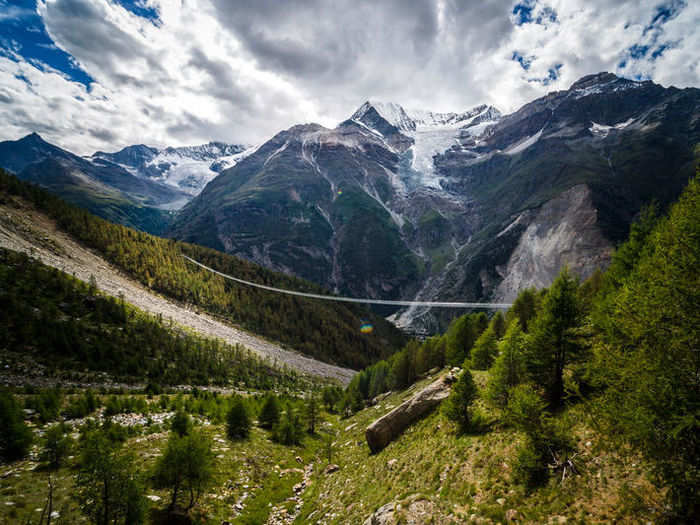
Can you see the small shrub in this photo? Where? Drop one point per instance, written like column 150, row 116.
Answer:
column 530, row 467
column 181, row 423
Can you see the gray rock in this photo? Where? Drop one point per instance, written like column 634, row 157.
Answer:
column 384, row 515
column 385, row 429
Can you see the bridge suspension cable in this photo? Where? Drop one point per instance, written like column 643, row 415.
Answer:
column 386, row 302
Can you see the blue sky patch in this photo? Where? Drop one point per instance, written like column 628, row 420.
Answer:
column 664, row 13
column 523, row 60
column 526, row 13
column 22, row 32
column 547, row 14
column 552, row 75
column 523, row 12
column 139, row 8
column 661, row 49
column 638, row 51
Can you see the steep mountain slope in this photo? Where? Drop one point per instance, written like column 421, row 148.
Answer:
column 188, row 168
column 106, row 190
column 54, row 324
column 393, row 203
column 329, row 332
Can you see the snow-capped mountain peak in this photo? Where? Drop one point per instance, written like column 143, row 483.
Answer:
column 391, row 112
column 408, row 122
column 429, row 133
column 188, row 168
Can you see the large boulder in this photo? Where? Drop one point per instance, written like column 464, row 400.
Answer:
column 385, row 429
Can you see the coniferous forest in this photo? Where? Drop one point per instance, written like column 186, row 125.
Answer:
column 622, row 345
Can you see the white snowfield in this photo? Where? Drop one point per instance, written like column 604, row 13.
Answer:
column 523, row 144
column 602, row 130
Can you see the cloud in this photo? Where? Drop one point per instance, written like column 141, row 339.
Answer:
column 175, row 72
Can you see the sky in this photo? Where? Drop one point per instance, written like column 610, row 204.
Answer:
column 93, row 75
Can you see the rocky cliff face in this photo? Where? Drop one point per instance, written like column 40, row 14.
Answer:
column 564, row 232
column 456, row 206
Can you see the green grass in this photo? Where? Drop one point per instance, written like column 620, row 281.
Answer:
column 453, row 477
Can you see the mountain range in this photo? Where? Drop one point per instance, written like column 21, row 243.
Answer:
column 187, row 168
column 454, row 206
column 401, row 204
column 138, row 186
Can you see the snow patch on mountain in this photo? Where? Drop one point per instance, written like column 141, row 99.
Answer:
column 393, row 113
column 523, row 144
column 602, row 130
column 432, row 132
column 435, row 133
column 428, row 143
column 608, row 85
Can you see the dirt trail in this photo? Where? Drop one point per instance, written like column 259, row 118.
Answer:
column 26, row 230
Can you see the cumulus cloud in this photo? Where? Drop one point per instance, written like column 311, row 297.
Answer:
column 183, row 71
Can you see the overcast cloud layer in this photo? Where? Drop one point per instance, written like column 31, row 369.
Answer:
column 175, row 72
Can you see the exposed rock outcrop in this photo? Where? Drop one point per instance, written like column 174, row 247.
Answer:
column 385, row 429
column 565, row 231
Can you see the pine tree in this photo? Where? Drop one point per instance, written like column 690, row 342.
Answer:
column 237, row 420
column 648, row 360
column 524, row 308
column 311, row 413
column 288, row 431
column 109, row 490
column 552, row 343
column 458, row 404
column 485, row 349
column 509, row 368
column 461, row 336
column 181, row 423
column 269, row 413
column 15, row 436
column 499, row 324
column 186, row 467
